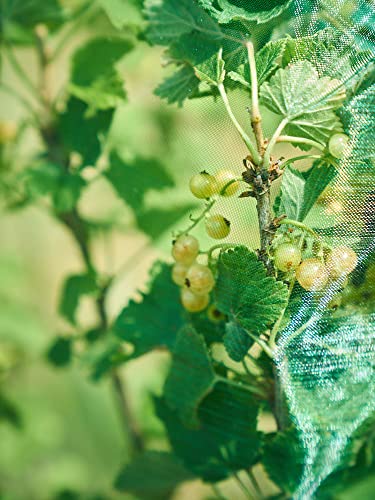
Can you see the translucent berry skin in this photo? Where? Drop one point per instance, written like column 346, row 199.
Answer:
column 337, row 145
column 192, row 302
column 222, row 178
column 341, row 262
column 287, row 257
column 312, row 275
column 202, row 185
column 179, row 272
column 200, row 279
column 217, row 226
column 185, row 249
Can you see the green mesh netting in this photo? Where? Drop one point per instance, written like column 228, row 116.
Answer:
column 326, row 367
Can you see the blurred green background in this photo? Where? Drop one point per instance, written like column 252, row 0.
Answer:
column 69, row 434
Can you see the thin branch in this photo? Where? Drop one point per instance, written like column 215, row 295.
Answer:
column 287, row 162
column 129, row 424
column 300, row 225
column 27, row 105
column 256, row 118
column 254, row 483
column 250, row 146
column 200, row 217
column 22, row 75
column 78, row 18
column 272, row 143
column 300, row 140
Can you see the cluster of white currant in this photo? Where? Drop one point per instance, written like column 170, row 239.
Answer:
column 206, row 186
column 196, row 280
column 313, row 273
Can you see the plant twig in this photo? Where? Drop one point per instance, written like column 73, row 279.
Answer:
column 254, row 483
column 300, row 140
column 27, row 105
column 218, row 492
column 300, row 225
column 289, row 161
column 78, row 17
column 256, row 118
column 129, row 424
column 196, row 221
column 250, row 146
column 20, row 72
column 273, row 140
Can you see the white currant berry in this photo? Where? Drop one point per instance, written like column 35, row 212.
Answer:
column 287, row 257
column 217, row 226
column 312, row 274
column 341, row 261
column 202, row 185
column 200, row 279
column 179, row 273
column 226, row 179
column 192, row 302
column 337, row 145
column 185, row 249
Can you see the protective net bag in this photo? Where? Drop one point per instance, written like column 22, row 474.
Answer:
column 312, row 77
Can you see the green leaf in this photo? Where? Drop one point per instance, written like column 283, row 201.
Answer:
column 181, row 85
column 169, row 19
column 331, row 51
column 305, row 101
column 104, row 93
column 156, row 221
column 74, row 288
column 226, row 441
column 212, row 329
column 300, row 190
column 267, row 61
column 67, row 192
column 50, row 179
column 245, row 292
column 9, row 412
column 22, row 15
column 236, row 341
column 199, row 450
column 268, row 58
column 230, row 414
column 243, row 10
column 212, row 70
column 283, row 459
column 60, row 352
column 154, row 322
column 94, row 78
column 118, row 11
column 104, row 356
column 42, row 179
column 132, row 180
column 191, row 376
column 153, row 474
column 87, row 141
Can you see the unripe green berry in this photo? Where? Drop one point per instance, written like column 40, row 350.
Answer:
column 202, row 185
column 337, row 145
column 217, row 226
column 287, row 257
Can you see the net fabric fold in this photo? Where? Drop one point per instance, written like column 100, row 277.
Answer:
column 326, row 364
